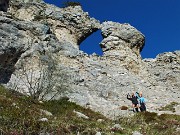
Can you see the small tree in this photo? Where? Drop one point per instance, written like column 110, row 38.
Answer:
column 71, row 3
column 38, row 77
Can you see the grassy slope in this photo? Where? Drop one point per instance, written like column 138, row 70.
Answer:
column 20, row 115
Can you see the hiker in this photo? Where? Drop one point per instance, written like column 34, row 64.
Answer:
column 141, row 101
column 134, row 100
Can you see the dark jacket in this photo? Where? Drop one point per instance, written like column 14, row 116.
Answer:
column 134, row 99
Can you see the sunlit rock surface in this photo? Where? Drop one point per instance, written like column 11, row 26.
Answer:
column 37, row 37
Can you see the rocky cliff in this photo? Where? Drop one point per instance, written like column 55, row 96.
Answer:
column 39, row 50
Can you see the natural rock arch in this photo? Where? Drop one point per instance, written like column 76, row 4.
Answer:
column 91, row 44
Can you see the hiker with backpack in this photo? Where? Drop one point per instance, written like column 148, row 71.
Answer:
column 141, row 101
column 134, row 100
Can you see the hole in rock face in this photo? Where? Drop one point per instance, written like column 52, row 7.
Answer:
column 91, row 44
column 7, row 64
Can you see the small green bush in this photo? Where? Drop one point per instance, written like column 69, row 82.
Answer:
column 169, row 107
column 71, row 3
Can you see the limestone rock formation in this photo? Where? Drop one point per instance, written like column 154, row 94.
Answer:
column 127, row 34
column 16, row 38
column 69, row 24
column 39, row 50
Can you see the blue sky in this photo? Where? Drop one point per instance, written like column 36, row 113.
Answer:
column 158, row 20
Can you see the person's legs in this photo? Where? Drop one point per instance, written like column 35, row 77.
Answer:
column 133, row 106
column 136, row 108
column 143, row 107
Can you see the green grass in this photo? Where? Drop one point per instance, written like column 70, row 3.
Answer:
column 20, row 115
column 169, row 107
column 152, row 124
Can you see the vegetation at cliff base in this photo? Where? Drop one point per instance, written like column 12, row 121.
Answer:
column 149, row 123
column 20, row 114
column 169, row 107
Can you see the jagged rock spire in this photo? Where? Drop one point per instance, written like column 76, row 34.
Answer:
column 118, row 36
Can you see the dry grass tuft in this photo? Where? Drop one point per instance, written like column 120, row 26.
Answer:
column 124, row 108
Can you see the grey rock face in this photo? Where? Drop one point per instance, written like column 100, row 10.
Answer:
column 11, row 50
column 136, row 133
column 120, row 35
column 123, row 42
column 69, row 24
column 36, row 37
column 16, row 38
column 166, row 69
